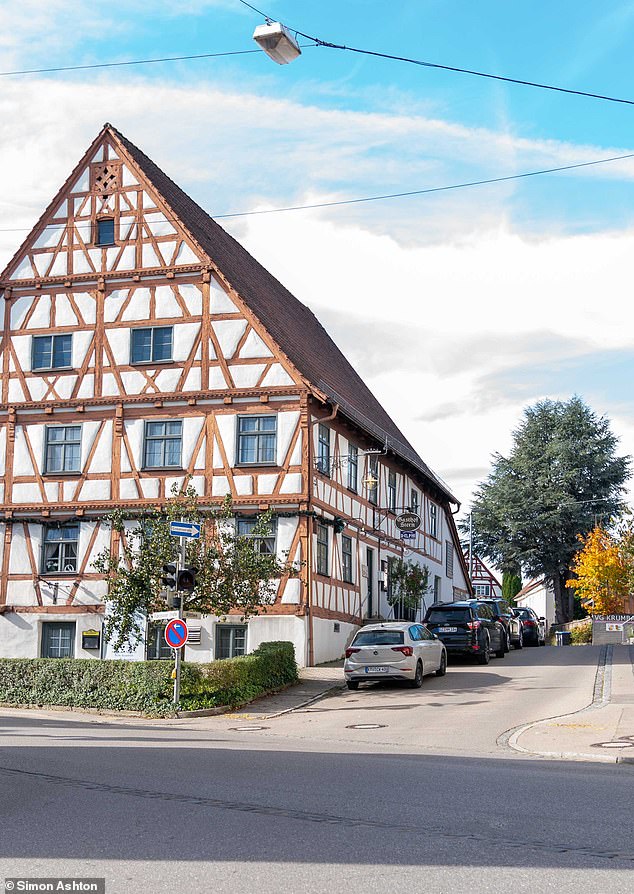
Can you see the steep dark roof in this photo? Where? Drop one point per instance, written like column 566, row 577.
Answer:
column 294, row 327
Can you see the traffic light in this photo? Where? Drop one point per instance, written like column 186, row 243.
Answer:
column 338, row 524
column 186, row 580
column 169, row 576
column 173, row 601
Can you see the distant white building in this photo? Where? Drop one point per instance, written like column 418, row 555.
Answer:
column 485, row 583
column 539, row 595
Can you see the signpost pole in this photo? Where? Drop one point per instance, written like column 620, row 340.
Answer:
column 177, row 679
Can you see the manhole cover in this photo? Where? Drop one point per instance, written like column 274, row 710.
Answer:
column 367, row 726
column 620, row 744
column 247, row 729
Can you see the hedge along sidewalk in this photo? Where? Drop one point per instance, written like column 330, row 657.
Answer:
column 145, row 686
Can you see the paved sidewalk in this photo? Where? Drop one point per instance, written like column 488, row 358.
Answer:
column 604, row 731
column 315, row 682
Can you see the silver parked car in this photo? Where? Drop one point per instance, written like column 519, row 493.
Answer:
column 395, row 650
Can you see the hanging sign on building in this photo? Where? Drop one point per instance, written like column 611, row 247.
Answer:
column 407, row 521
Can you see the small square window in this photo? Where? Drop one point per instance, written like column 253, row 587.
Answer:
column 163, row 445
column 60, row 549
column 231, row 641
column 257, row 440
column 151, row 344
column 51, row 352
column 63, row 449
column 105, row 231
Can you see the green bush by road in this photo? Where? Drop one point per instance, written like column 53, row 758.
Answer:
column 145, row 686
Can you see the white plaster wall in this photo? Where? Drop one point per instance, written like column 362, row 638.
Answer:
column 21, row 634
column 184, row 335
column 193, row 298
column 22, row 347
column 270, row 628
column 19, row 308
column 254, row 347
column 246, row 375
column 41, row 317
column 277, row 375
column 328, row 645
column 119, row 341
column 286, row 425
column 228, row 333
column 227, row 430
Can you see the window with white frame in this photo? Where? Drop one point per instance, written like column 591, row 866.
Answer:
column 323, row 449
column 257, row 440
column 391, row 490
column 151, row 344
column 163, row 444
column 63, row 449
column 414, row 502
column 51, row 352
column 437, row 585
column 353, row 467
column 433, row 520
column 346, row 559
column 482, row 589
column 323, row 560
column 60, row 548
column 263, row 542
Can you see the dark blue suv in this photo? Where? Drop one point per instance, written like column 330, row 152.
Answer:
column 467, row 628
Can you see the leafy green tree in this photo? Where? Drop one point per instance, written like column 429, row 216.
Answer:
column 408, row 584
column 232, row 573
column 561, row 473
column 511, row 585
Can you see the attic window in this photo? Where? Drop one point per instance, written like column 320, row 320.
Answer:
column 105, row 231
column 106, row 177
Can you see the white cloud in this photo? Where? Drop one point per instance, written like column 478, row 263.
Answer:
column 475, row 297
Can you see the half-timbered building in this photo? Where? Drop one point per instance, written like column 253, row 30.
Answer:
column 143, row 347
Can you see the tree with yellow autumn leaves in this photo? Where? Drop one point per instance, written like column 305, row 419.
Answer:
column 603, row 570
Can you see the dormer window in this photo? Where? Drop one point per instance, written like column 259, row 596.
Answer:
column 105, row 231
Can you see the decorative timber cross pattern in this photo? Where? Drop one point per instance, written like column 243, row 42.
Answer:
column 106, row 177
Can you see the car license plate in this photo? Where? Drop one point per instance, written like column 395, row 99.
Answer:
column 448, row 630
column 377, row 670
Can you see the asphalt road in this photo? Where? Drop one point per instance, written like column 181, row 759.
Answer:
column 428, row 802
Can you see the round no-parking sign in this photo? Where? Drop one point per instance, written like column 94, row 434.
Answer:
column 176, row 633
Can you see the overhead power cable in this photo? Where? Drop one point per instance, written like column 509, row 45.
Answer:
column 28, row 71
column 437, row 65
column 394, row 195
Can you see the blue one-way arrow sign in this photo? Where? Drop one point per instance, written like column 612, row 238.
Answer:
column 185, row 529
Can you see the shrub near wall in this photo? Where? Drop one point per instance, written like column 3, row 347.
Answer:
column 235, row 681
column 145, row 686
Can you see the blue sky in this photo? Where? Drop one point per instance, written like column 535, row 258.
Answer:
column 458, row 308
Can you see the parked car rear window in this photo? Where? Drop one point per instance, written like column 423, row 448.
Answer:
column 523, row 613
column 441, row 615
column 378, row 638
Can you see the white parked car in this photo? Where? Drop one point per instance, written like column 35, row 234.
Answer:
column 395, row 650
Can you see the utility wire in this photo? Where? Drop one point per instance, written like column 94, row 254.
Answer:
column 420, row 192
column 394, row 195
column 27, row 71
column 468, row 71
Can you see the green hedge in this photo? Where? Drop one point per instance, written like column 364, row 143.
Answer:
column 145, row 686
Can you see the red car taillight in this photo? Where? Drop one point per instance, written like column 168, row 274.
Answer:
column 529, row 623
column 350, row 652
column 406, row 650
column 473, row 625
